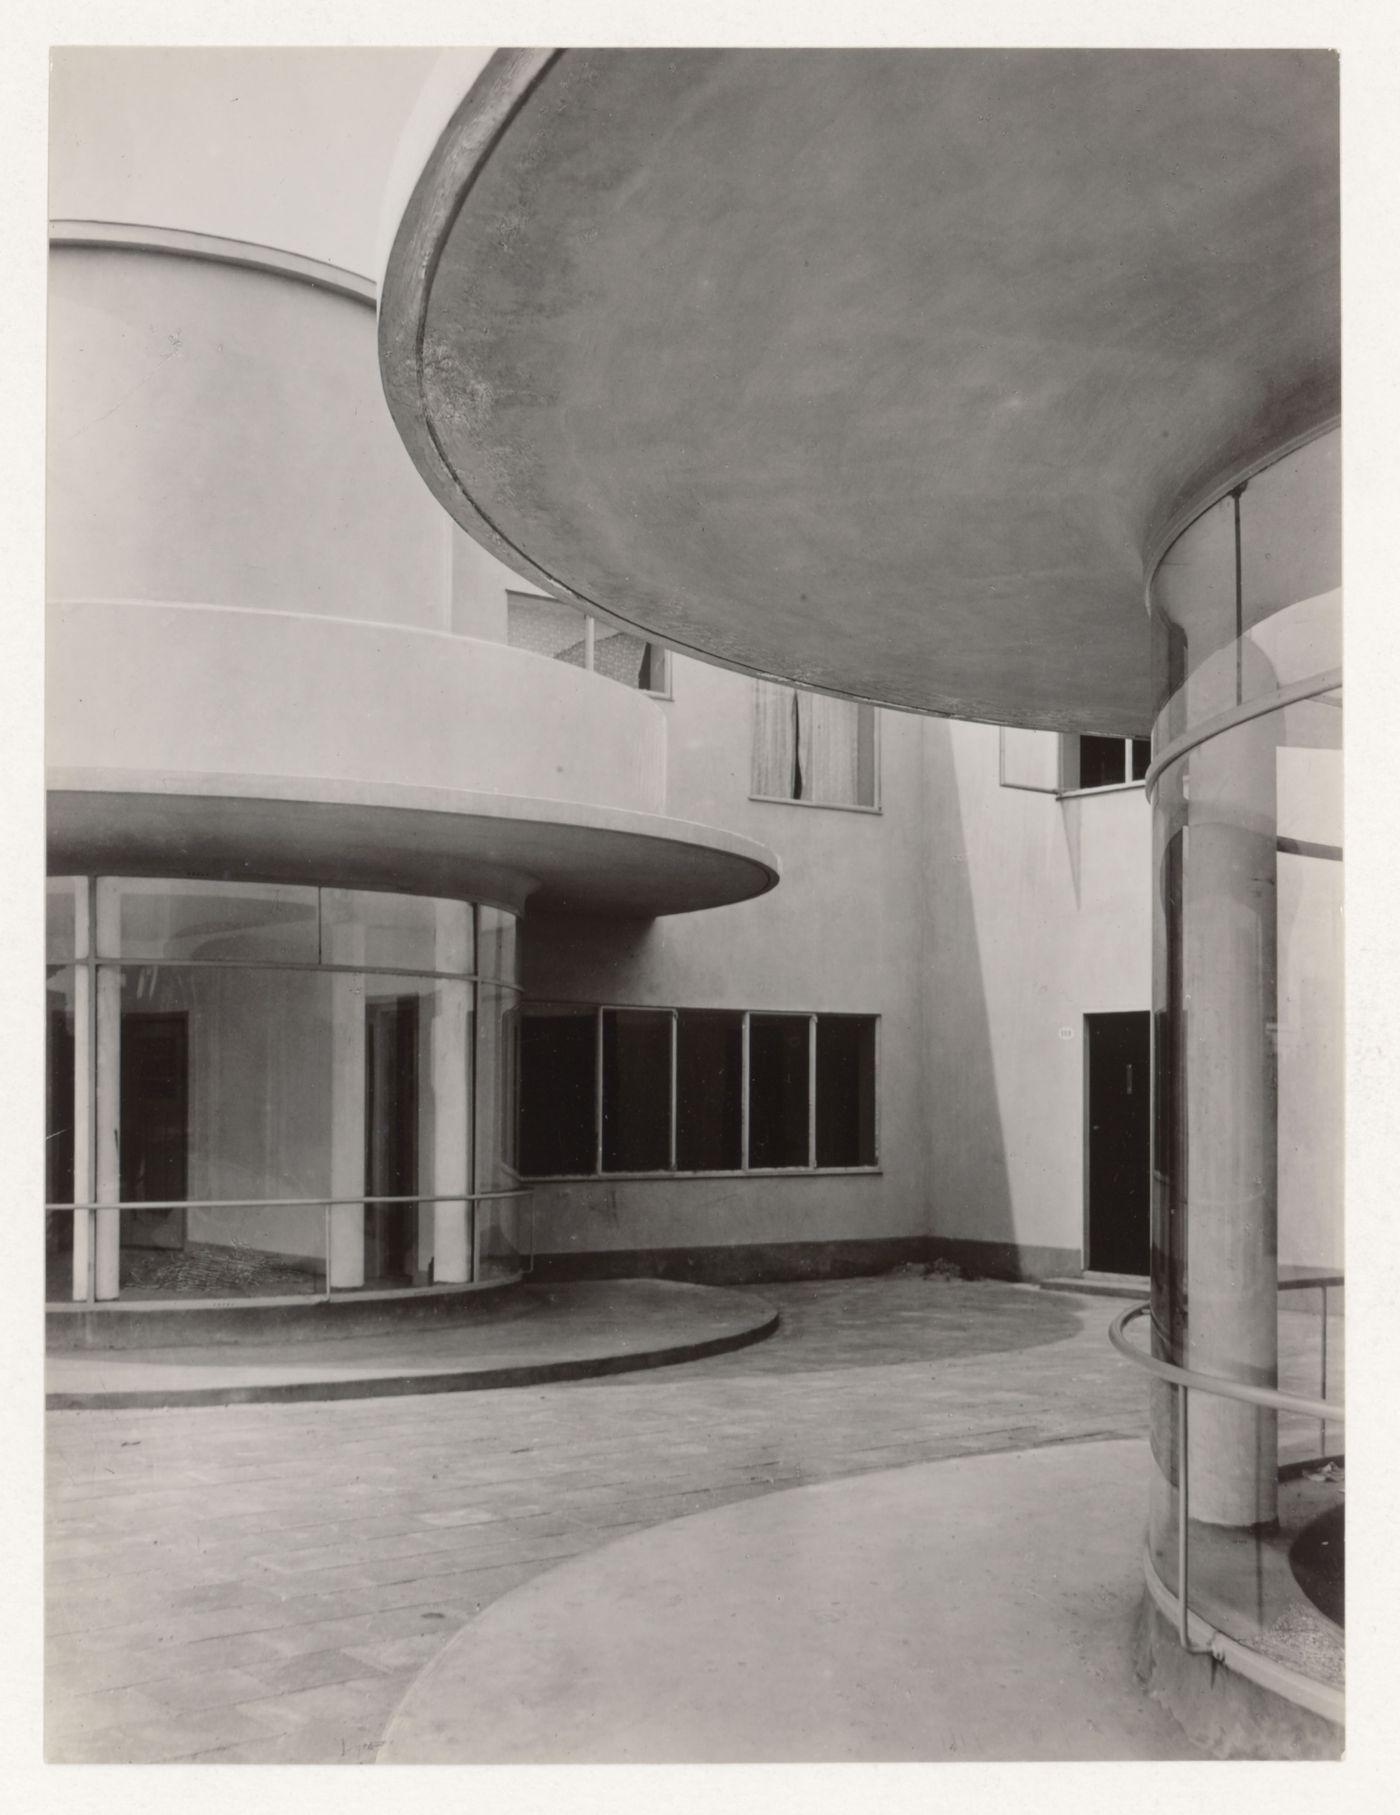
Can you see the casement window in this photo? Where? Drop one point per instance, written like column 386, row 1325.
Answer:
column 566, row 634
column 1102, row 762
column 1053, row 762
column 609, row 1092
column 809, row 748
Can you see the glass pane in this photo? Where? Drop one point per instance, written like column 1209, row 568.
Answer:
column 835, row 752
column 636, row 1090
column 709, row 1091
column 845, row 1090
column 497, row 1071
column 778, row 1090
column 1030, row 759
column 558, row 1091
column 622, row 656
column 233, row 1084
column 1142, row 757
column 499, row 1224
column 65, row 919
column 545, row 627
column 59, row 1104
column 211, row 922
column 403, row 932
column 497, row 944
column 1101, row 762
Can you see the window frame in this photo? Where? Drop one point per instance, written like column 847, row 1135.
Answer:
column 744, row 1170
column 826, row 806
column 1065, row 792
column 590, row 636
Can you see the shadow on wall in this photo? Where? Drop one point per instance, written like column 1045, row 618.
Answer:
column 971, row 1218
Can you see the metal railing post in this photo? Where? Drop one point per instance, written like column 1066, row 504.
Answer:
column 1183, row 1502
column 1323, row 1393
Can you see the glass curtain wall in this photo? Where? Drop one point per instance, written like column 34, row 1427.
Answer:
column 258, row 1090
column 1247, row 1162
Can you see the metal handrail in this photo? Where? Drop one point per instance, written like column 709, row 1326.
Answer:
column 291, row 1203
column 1269, row 1397
column 1186, row 1381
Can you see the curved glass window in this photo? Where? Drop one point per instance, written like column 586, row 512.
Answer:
column 1247, row 1168
column 264, row 1091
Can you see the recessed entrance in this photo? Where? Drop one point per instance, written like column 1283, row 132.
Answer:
column 154, row 1125
column 1118, row 1086
column 391, row 1137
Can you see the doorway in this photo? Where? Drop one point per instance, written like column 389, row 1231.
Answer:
column 391, row 1138
column 154, row 1127
column 1118, row 1153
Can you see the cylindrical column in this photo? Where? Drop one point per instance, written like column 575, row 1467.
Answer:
column 1228, row 985
column 107, row 1133
column 449, row 1094
column 346, row 1261
column 84, row 1169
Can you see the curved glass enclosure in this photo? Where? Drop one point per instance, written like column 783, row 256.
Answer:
column 1247, row 1283
column 260, row 1090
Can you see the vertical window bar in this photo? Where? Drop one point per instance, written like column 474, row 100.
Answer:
column 675, row 1064
column 811, row 1091
column 875, row 1086
column 588, row 638
column 744, row 1100
column 597, row 1057
column 85, row 1080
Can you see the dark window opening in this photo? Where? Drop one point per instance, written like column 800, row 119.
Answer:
column 636, row 1090
column 845, row 1091
column 778, row 1090
column 558, row 1086
column 709, row 1091
column 1100, row 762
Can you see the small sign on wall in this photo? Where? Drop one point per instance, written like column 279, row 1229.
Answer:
column 1066, row 1033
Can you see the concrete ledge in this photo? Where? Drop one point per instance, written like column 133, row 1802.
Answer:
column 1222, row 1711
column 189, row 1323
column 751, row 1263
column 558, row 1333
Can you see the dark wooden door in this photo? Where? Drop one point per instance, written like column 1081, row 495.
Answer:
column 154, row 1127
column 391, row 1136
column 1119, row 1087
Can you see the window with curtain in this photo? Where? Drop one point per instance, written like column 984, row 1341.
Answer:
column 808, row 747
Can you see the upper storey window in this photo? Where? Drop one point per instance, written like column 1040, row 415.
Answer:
column 1051, row 762
column 1103, row 762
column 566, row 634
column 809, row 748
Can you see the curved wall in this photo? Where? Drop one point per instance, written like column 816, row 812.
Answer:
column 189, row 457
column 163, row 692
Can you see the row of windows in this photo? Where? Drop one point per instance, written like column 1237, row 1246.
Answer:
column 644, row 1090
column 806, row 746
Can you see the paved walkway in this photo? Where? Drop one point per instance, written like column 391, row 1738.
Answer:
column 548, row 1333
column 264, row 1582
column 978, row 1609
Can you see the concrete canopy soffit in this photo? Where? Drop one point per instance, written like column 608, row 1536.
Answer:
column 885, row 372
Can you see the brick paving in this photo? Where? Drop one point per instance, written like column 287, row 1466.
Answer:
column 261, row 1583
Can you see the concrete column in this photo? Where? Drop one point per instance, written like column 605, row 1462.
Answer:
column 107, row 1133
column 83, row 1172
column 346, row 1261
column 449, row 1091
column 1229, row 987
column 450, row 1147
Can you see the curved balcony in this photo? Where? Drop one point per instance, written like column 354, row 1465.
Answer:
column 223, row 742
